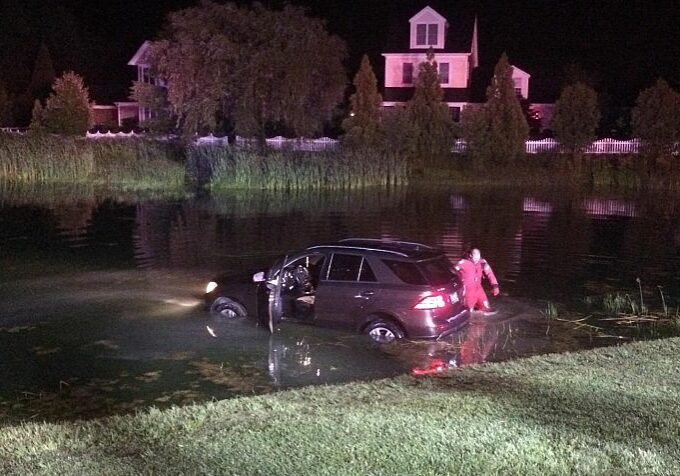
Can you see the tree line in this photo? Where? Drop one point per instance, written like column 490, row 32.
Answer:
column 257, row 71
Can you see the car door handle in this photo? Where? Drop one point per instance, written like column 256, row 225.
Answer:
column 365, row 295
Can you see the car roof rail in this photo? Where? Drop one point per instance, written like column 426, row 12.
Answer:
column 398, row 242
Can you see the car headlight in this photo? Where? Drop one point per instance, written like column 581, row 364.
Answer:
column 210, row 287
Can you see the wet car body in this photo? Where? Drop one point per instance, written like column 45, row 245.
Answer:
column 386, row 289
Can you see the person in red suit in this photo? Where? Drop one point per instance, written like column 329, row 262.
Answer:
column 471, row 269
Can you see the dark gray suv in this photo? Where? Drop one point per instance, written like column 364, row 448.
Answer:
column 386, row 289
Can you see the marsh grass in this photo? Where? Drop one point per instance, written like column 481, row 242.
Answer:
column 232, row 169
column 121, row 165
column 605, row 411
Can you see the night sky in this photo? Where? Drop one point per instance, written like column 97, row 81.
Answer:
column 624, row 46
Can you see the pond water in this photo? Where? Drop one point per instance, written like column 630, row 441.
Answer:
column 101, row 307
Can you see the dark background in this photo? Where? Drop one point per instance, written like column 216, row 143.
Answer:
column 623, row 46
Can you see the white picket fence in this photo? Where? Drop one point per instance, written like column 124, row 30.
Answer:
column 602, row 146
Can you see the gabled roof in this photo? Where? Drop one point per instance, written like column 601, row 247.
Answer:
column 139, row 58
column 460, row 20
column 427, row 11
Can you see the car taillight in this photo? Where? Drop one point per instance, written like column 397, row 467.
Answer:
column 434, row 301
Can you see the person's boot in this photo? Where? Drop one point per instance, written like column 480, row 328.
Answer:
column 488, row 311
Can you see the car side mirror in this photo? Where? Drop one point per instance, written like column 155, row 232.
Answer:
column 258, row 277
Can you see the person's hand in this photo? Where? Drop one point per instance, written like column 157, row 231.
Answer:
column 496, row 290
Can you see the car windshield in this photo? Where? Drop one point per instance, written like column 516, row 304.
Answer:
column 437, row 271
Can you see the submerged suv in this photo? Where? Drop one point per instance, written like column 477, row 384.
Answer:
column 386, row 289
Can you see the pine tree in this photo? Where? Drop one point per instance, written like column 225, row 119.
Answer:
column 67, row 110
column 37, row 118
column 508, row 128
column 43, row 75
column 656, row 120
column 430, row 116
column 363, row 126
column 576, row 118
column 5, row 107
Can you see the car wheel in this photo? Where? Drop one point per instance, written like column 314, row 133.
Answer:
column 383, row 331
column 227, row 308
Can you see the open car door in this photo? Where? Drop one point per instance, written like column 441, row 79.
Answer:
column 275, row 302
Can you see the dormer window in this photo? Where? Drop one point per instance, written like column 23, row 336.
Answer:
column 426, row 34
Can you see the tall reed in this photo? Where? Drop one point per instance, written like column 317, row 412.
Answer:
column 231, row 168
column 124, row 165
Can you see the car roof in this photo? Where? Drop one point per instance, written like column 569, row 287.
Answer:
column 393, row 248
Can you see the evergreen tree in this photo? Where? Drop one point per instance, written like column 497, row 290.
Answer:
column 43, row 75
column 475, row 132
column 67, row 110
column 656, row 120
column 5, row 107
column 37, row 118
column 576, row 118
column 430, row 116
column 363, row 125
column 508, row 129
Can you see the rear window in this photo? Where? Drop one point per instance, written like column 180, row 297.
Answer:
column 437, row 271
column 405, row 271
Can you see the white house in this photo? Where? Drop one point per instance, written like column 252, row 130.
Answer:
column 129, row 109
column 456, row 52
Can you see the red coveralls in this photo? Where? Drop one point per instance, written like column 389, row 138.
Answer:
column 471, row 276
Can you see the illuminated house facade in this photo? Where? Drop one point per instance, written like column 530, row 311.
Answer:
column 130, row 111
column 456, row 52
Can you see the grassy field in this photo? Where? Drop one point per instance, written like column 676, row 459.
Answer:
column 608, row 411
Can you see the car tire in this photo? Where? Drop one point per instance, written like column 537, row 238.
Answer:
column 382, row 331
column 226, row 308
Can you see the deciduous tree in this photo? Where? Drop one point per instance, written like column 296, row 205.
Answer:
column 155, row 99
column 252, row 65
column 363, row 126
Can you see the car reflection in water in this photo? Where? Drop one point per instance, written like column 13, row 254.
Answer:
column 473, row 345
column 314, row 362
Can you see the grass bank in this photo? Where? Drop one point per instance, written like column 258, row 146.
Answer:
column 232, row 169
column 606, row 411
column 128, row 165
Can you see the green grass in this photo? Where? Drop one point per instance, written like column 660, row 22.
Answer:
column 234, row 169
column 607, row 411
column 118, row 165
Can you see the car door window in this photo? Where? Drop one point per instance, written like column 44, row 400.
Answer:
column 349, row 268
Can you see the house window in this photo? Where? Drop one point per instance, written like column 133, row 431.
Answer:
column 444, row 73
column 432, row 31
column 426, row 34
column 455, row 114
column 421, row 34
column 518, row 86
column 407, row 73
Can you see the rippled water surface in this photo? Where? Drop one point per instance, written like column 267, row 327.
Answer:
column 100, row 308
